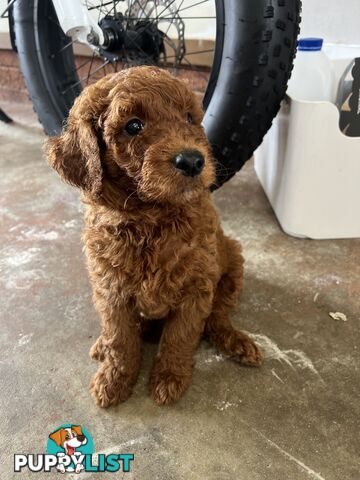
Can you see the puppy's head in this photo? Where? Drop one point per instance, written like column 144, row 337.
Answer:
column 139, row 132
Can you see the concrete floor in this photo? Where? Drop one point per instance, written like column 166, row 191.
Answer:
column 296, row 418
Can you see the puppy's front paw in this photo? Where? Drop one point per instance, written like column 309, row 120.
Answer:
column 109, row 388
column 247, row 352
column 167, row 387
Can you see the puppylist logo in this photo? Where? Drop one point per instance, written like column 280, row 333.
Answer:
column 70, row 448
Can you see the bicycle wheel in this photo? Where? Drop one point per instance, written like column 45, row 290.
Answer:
column 251, row 60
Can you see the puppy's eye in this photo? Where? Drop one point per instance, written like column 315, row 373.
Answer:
column 134, row 127
column 189, row 118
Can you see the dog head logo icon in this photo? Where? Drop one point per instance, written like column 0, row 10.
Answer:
column 70, row 442
column 69, row 438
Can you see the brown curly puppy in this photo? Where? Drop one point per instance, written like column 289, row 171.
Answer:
column 135, row 146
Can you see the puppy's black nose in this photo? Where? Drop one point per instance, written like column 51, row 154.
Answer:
column 81, row 438
column 189, row 162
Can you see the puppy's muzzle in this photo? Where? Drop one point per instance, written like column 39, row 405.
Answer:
column 189, row 162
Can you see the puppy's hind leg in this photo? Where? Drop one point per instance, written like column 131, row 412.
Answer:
column 234, row 343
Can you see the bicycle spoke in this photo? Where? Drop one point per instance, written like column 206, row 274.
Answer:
column 169, row 18
column 198, row 52
column 192, row 6
column 156, row 10
column 176, row 13
column 83, row 64
column 141, row 7
column 197, row 70
column 163, row 16
column 189, row 64
column 62, row 49
column 86, row 78
column 114, row 4
column 95, row 7
column 128, row 9
column 171, row 45
column 153, row 20
column 89, row 71
column 162, row 11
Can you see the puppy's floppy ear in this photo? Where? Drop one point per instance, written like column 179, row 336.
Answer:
column 76, row 154
column 58, row 437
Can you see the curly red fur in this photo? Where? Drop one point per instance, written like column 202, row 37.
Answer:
column 153, row 240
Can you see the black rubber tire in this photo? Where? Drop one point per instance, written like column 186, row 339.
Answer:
column 254, row 52
column 36, row 38
column 257, row 56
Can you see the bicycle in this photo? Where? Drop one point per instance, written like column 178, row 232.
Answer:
column 253, row 53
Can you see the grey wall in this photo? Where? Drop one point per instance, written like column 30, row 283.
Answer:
column 338, row 21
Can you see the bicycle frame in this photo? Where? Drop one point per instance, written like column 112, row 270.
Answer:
column 77, row 23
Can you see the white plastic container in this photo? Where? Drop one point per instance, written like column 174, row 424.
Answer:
column 313, row 77
column 310, row 170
